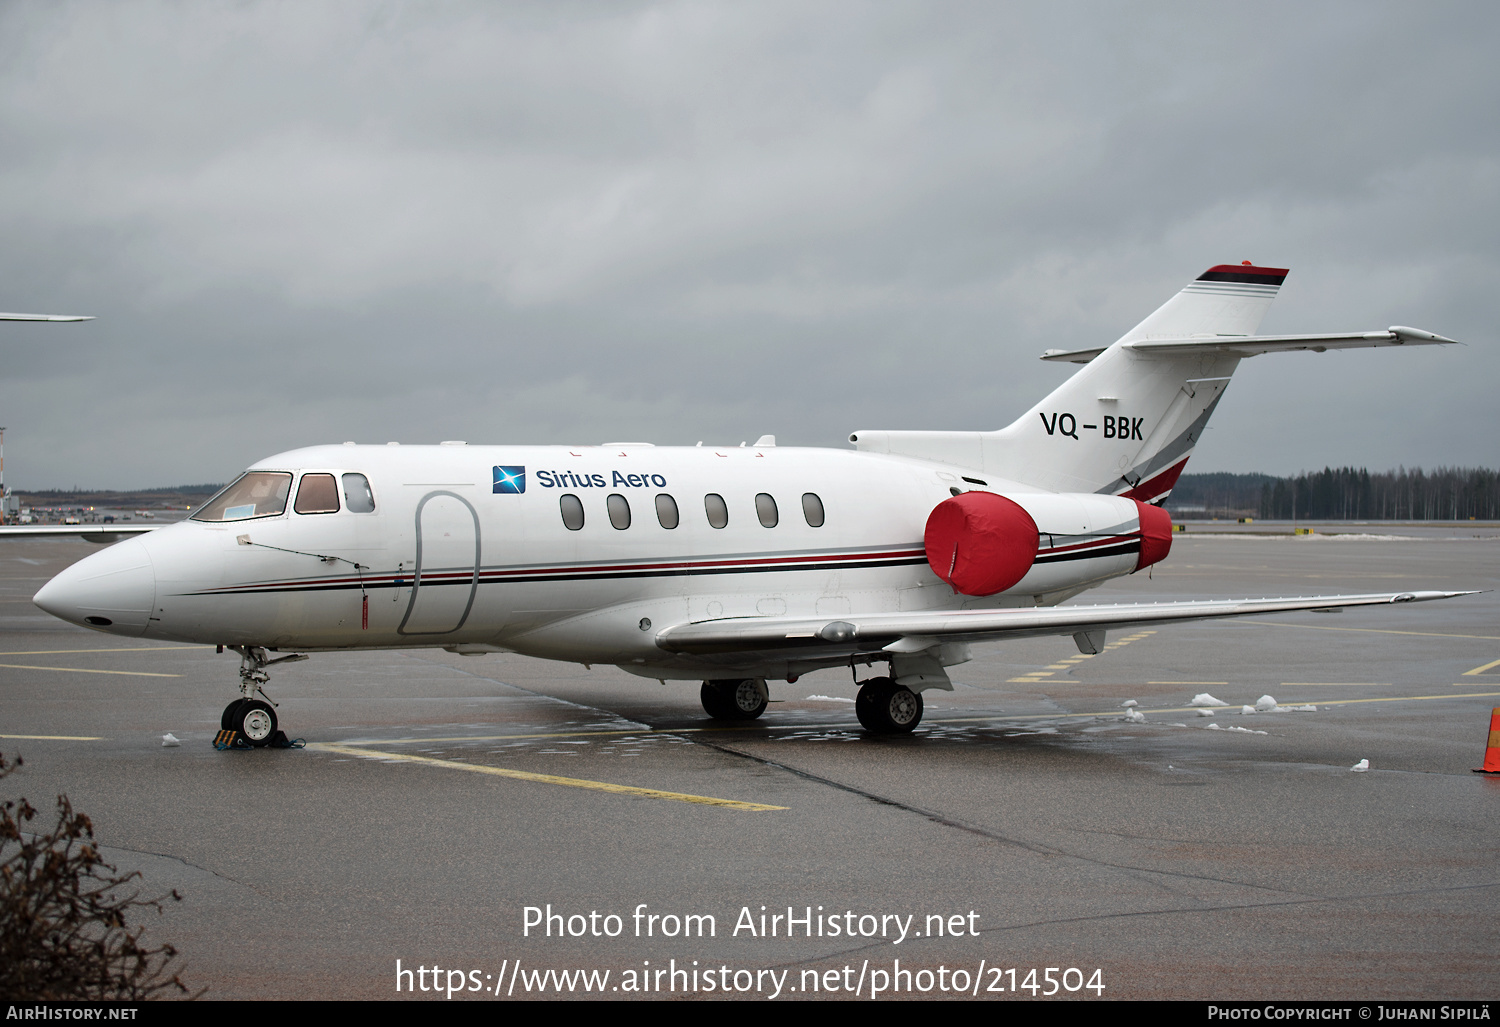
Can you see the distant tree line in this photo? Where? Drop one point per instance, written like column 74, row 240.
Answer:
column 1344, row 493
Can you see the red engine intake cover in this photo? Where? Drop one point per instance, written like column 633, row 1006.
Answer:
column 981, row 543
column 1156, row 534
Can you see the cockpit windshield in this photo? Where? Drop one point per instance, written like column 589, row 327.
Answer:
column 252, row 494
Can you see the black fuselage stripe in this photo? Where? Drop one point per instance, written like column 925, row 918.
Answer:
column 1125, row 549
column 504, row 578
column 509, row 578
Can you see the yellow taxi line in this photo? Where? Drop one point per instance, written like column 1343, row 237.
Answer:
column 550, row 779
column 87, row 670
column 131, row 649
column 56, row 738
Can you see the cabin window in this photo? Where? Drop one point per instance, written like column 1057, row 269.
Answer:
column 717, row 509
column 666, row 510
column 357, row 495
column 812, row 509
column 318, row 494
column 252, row 494
column 765, row 509
column 572, row 511
column 619, row 510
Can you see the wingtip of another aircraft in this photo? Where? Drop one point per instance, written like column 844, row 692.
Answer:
column 46, row 317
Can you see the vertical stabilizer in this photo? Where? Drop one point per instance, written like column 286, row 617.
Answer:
column 1125, row 423
column 1229, row 299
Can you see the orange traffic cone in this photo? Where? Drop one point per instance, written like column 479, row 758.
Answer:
column 1492, row 751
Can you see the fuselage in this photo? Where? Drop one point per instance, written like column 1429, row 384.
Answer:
column 576, row 553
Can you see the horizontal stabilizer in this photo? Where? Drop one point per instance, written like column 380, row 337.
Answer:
column 1250, row 345
column 820, row 635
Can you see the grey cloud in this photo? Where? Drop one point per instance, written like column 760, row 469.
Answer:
column 306, row 223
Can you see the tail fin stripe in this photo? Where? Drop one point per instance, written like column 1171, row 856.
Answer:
column 1158, row 486
column 1233, row 290
column 1244, row 273
column 1173, row 452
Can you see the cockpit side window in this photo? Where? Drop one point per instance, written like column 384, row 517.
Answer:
column 318, row 494
column 252, row 494
column 357, row 495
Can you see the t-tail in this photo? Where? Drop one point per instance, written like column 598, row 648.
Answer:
column 1128, row 421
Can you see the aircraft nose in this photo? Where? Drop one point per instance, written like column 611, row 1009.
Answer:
column 112, row 591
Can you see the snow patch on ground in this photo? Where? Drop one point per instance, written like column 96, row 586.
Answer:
column 1204, row 699
column 1241, row 730
column 1266, row 704
column 1205, row 713
column 1361, row 766
column 828, row 698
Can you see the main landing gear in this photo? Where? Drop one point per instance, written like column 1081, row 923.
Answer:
column 254, row 719
column 883, row 707
column 886, row 708
column 735, row 700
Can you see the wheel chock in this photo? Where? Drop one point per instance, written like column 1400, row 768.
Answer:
column 1492, row 750
column 227, row 739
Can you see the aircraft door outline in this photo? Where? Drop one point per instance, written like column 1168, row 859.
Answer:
column 430, row 611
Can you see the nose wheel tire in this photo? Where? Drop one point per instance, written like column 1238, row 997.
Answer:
column 226, row 722
column 255, row 721
column 886, row 708
column 734, row 700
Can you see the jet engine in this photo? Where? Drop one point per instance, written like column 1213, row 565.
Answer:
column 983, row 543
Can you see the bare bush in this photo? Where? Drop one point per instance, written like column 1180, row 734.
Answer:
column 63, row 914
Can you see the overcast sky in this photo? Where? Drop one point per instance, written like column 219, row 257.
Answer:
column 303, row 223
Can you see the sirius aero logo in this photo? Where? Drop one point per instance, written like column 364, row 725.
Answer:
column 512, row 480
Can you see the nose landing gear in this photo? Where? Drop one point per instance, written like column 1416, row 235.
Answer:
column 252, row 719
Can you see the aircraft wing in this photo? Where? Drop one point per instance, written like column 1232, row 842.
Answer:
column 913, row 632
column 100, row 533
column 44, row 317
column 1250, row 345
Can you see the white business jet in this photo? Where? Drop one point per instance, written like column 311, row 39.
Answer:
column 729, row 565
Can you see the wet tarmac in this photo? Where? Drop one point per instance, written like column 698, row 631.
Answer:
column 443, row 802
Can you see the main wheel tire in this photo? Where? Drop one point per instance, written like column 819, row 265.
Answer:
column 255, row 721
column 227, row 721
column 714, row 702
column 866, row 701
column 739, row 699
column 748, row 698
column 902, row 710
column 886, row 708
